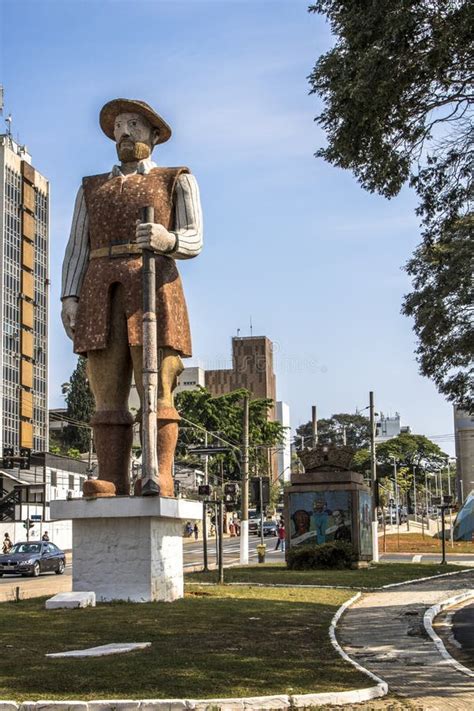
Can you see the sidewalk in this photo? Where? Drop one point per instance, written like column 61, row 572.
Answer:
column 384, row 632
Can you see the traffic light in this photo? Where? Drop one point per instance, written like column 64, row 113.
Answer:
column 230, row 490
column 25, row 457
column 28, row 523
column 8, row 462
column 255, row 481
column 204, row 490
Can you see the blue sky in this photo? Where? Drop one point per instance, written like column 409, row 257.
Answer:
column 290, row 241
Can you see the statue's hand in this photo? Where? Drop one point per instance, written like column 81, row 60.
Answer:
column 150, row 235
column 68, row 314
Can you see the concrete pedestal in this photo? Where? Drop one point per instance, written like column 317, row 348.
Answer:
column 128, row 548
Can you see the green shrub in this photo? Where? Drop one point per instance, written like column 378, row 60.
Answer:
column 337, row 554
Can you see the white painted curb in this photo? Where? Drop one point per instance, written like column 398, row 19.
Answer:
column 428, row 618
column 375, row 691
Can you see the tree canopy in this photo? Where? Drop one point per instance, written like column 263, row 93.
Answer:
column 397, row 88
column 80, row 407
column 355, row 426
column 414, row 453
column 222, row 416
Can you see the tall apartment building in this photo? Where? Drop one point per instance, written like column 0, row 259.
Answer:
column 24, row 239
column 252, row 369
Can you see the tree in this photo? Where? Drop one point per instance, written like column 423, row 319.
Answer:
column 355, row 426
column 80, row 407
column 413, row 455
column 398, row 97
column 222, row 416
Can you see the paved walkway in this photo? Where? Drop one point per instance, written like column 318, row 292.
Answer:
column 384, row 632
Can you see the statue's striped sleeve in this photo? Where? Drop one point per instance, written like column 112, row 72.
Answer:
column 77, row 250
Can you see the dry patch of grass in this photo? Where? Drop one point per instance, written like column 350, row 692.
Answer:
column 416, row 543
column 218, row 641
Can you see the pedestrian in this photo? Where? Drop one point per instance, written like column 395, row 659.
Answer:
column 281, row 538
column 45, row 536
column 7, row 543
column 196, row 532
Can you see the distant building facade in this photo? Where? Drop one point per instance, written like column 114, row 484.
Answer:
column 252, row 368
column 190, row 379
column 388, row 427
column 24, row 285
column 464, row 442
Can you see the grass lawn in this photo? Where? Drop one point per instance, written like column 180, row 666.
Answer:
column 416, row 543
column 218, row 641
column 276, row 573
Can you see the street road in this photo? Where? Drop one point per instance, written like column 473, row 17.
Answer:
column 193, row 553
column 193, row 557
column 463, row 629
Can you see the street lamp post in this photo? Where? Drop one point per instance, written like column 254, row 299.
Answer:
column 373, row 473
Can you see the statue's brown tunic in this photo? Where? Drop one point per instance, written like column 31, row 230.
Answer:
column 114, row 204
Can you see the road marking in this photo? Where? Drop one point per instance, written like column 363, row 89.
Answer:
column 416, row 559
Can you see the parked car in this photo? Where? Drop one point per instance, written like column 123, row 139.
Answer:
column 270, row 528
column 254, row 524
column 33, row 558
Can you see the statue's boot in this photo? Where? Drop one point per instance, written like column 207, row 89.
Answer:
column 113, row 438
column 167, row 437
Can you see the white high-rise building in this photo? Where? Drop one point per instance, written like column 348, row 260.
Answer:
column 284, row 452
column 24, row 285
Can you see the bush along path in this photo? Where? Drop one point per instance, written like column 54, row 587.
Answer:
column 384, row 632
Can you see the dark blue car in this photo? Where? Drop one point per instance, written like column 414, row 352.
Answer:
column 33, row 558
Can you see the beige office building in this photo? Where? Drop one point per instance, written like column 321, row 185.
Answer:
column 24, row 285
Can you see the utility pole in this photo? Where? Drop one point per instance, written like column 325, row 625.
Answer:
column 373, row 476
column 204, row 512
column 344, row 436
column 244, row 521
column 221, row 540
column 414, row 492
column 314, row 427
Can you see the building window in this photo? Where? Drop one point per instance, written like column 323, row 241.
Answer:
column 71, row 481
column 54, row 478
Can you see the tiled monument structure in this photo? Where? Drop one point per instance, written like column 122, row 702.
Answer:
column 329, row 502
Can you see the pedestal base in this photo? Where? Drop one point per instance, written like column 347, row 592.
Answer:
column 128, row 548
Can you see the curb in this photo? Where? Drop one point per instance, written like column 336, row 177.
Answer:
column 428, row 618
column 373, row 692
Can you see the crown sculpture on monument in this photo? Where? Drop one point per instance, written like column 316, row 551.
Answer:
column 327, row 456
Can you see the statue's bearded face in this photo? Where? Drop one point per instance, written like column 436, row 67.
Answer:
column 134, row 137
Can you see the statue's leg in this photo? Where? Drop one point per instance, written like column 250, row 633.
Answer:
column 170, row 366
column 110, row 373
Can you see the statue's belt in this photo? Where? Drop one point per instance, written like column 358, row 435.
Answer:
column 116, row 250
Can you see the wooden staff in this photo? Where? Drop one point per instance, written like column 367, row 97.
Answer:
column 150, row 470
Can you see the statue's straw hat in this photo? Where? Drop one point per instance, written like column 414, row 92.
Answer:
column 113, row 108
